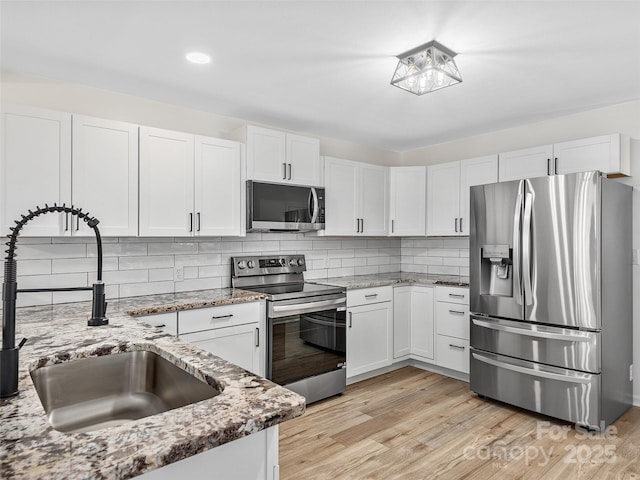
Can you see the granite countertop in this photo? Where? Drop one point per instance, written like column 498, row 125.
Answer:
column 31, row 448
column 398, row 278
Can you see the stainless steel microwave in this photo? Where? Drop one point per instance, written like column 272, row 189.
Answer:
column 277, row 207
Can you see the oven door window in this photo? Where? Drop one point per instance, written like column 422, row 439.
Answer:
column 306, row 345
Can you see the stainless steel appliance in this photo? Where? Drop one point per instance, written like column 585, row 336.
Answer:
column 551, row 298
column 306, row 334
column 276, row 207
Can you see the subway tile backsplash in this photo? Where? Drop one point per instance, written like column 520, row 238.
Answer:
column 143, row 266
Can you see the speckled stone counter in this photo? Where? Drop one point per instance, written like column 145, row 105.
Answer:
column 31, row 449
column 385, row 279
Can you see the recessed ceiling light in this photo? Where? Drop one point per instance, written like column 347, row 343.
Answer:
column 198, row 57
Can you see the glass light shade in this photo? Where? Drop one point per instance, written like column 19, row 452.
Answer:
column 426, row 68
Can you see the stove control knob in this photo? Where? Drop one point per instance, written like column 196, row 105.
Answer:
column 283, row 262
column 300, row 262
column 293, row 262
column 251, row 264
column 242, row 264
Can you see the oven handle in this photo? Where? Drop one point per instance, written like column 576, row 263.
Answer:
column 276, row 311
column 325, row 323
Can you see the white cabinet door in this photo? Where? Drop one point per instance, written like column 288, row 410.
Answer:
column 422, row 322
column 369, row 338
column 303, row 159
column 341, row 196
column 218, row 187
column 474, row 171
column 105, row 175
column 443, row 199
column 373, row 200
column 607, row 153
column 36, row 168
column 527, row 163
column 402, row 321
column 237, row 344
column 266, row 155
column 166, row 183
column 407, row 201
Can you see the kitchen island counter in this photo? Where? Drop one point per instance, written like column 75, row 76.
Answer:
column 30, row 448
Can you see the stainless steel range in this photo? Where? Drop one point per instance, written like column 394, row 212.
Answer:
column 306, row 334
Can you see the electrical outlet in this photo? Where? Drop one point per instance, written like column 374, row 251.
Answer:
column 178, row 274
column 635, row 260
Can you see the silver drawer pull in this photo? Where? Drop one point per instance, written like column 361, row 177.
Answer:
column 458, row 347
column 455, row 295
column 221, row 316
column 458, row 312
column 373, row 295
column 162, row 325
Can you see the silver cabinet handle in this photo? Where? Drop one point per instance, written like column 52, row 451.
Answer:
column 456, row 225
column 350, row 319
column 284, row 171
column 391, row 226
column 456, row 295
column 257, row 337
column 548, row 166
column 457, row 312
column 362, row 229
column 457, row 347
column 372, row 295
column 77, row 223
column 198, row 214
column 162, row 325
column 191, row 222
column 214, row 317
column 66, row 222
column 289, row 172
column 555, row 166
column 460, row 224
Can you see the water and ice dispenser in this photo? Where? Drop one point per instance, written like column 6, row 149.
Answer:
column 496, row 270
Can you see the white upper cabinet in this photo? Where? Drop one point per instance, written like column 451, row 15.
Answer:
column 279, row 157
column 166, row 183
column 105, row 175
column 36, row 167
column 448, row 193
column 407, row 201
column 219, row 199
column 607, row 153
column 356, row 198
column 189, row 185
column 527, row 163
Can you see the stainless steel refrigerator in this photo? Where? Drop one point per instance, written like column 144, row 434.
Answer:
column 551, row 296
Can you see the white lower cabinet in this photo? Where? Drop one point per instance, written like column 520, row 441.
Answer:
column 413, row 322
column 452, row 328
column 233, row 332
column 370, row 330
column 254, row 457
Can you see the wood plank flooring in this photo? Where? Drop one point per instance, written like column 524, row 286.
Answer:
column 412, row 424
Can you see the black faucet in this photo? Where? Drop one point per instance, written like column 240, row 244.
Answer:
column 9, row 352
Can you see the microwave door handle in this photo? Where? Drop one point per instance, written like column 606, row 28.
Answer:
column 313, row 205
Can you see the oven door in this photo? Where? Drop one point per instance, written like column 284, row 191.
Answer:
column 307, row 337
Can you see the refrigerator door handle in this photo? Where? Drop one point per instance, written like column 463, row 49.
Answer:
column 528, row 332
column 526, row 248
column 517, row 276
column 541, row 371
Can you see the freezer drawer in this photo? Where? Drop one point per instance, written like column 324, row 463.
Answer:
column 560, row 347
column 560, row 393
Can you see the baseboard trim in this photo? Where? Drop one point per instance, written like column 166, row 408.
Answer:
column 409, row 362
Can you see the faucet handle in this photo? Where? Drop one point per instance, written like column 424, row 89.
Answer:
column 22, row 342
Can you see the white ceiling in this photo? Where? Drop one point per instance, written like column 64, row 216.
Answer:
column 324, row 67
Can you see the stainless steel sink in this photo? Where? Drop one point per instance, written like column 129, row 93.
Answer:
column 98, row 392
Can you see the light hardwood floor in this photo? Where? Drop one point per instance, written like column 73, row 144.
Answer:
column 412, row 424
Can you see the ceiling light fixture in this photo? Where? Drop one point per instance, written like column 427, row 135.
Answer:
column 426, row 68
column 199, row 58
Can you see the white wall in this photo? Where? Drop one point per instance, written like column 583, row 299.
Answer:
column 42, row 92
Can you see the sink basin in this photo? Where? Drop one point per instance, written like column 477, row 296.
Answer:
column 98, row 392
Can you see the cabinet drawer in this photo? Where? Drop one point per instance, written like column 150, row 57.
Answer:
column 200, row 319
column 452, row 320
column 452, row 353
column 364, row 296
column 452, row 294
column 164, row 321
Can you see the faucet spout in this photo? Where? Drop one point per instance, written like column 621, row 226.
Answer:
column 9, row 353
